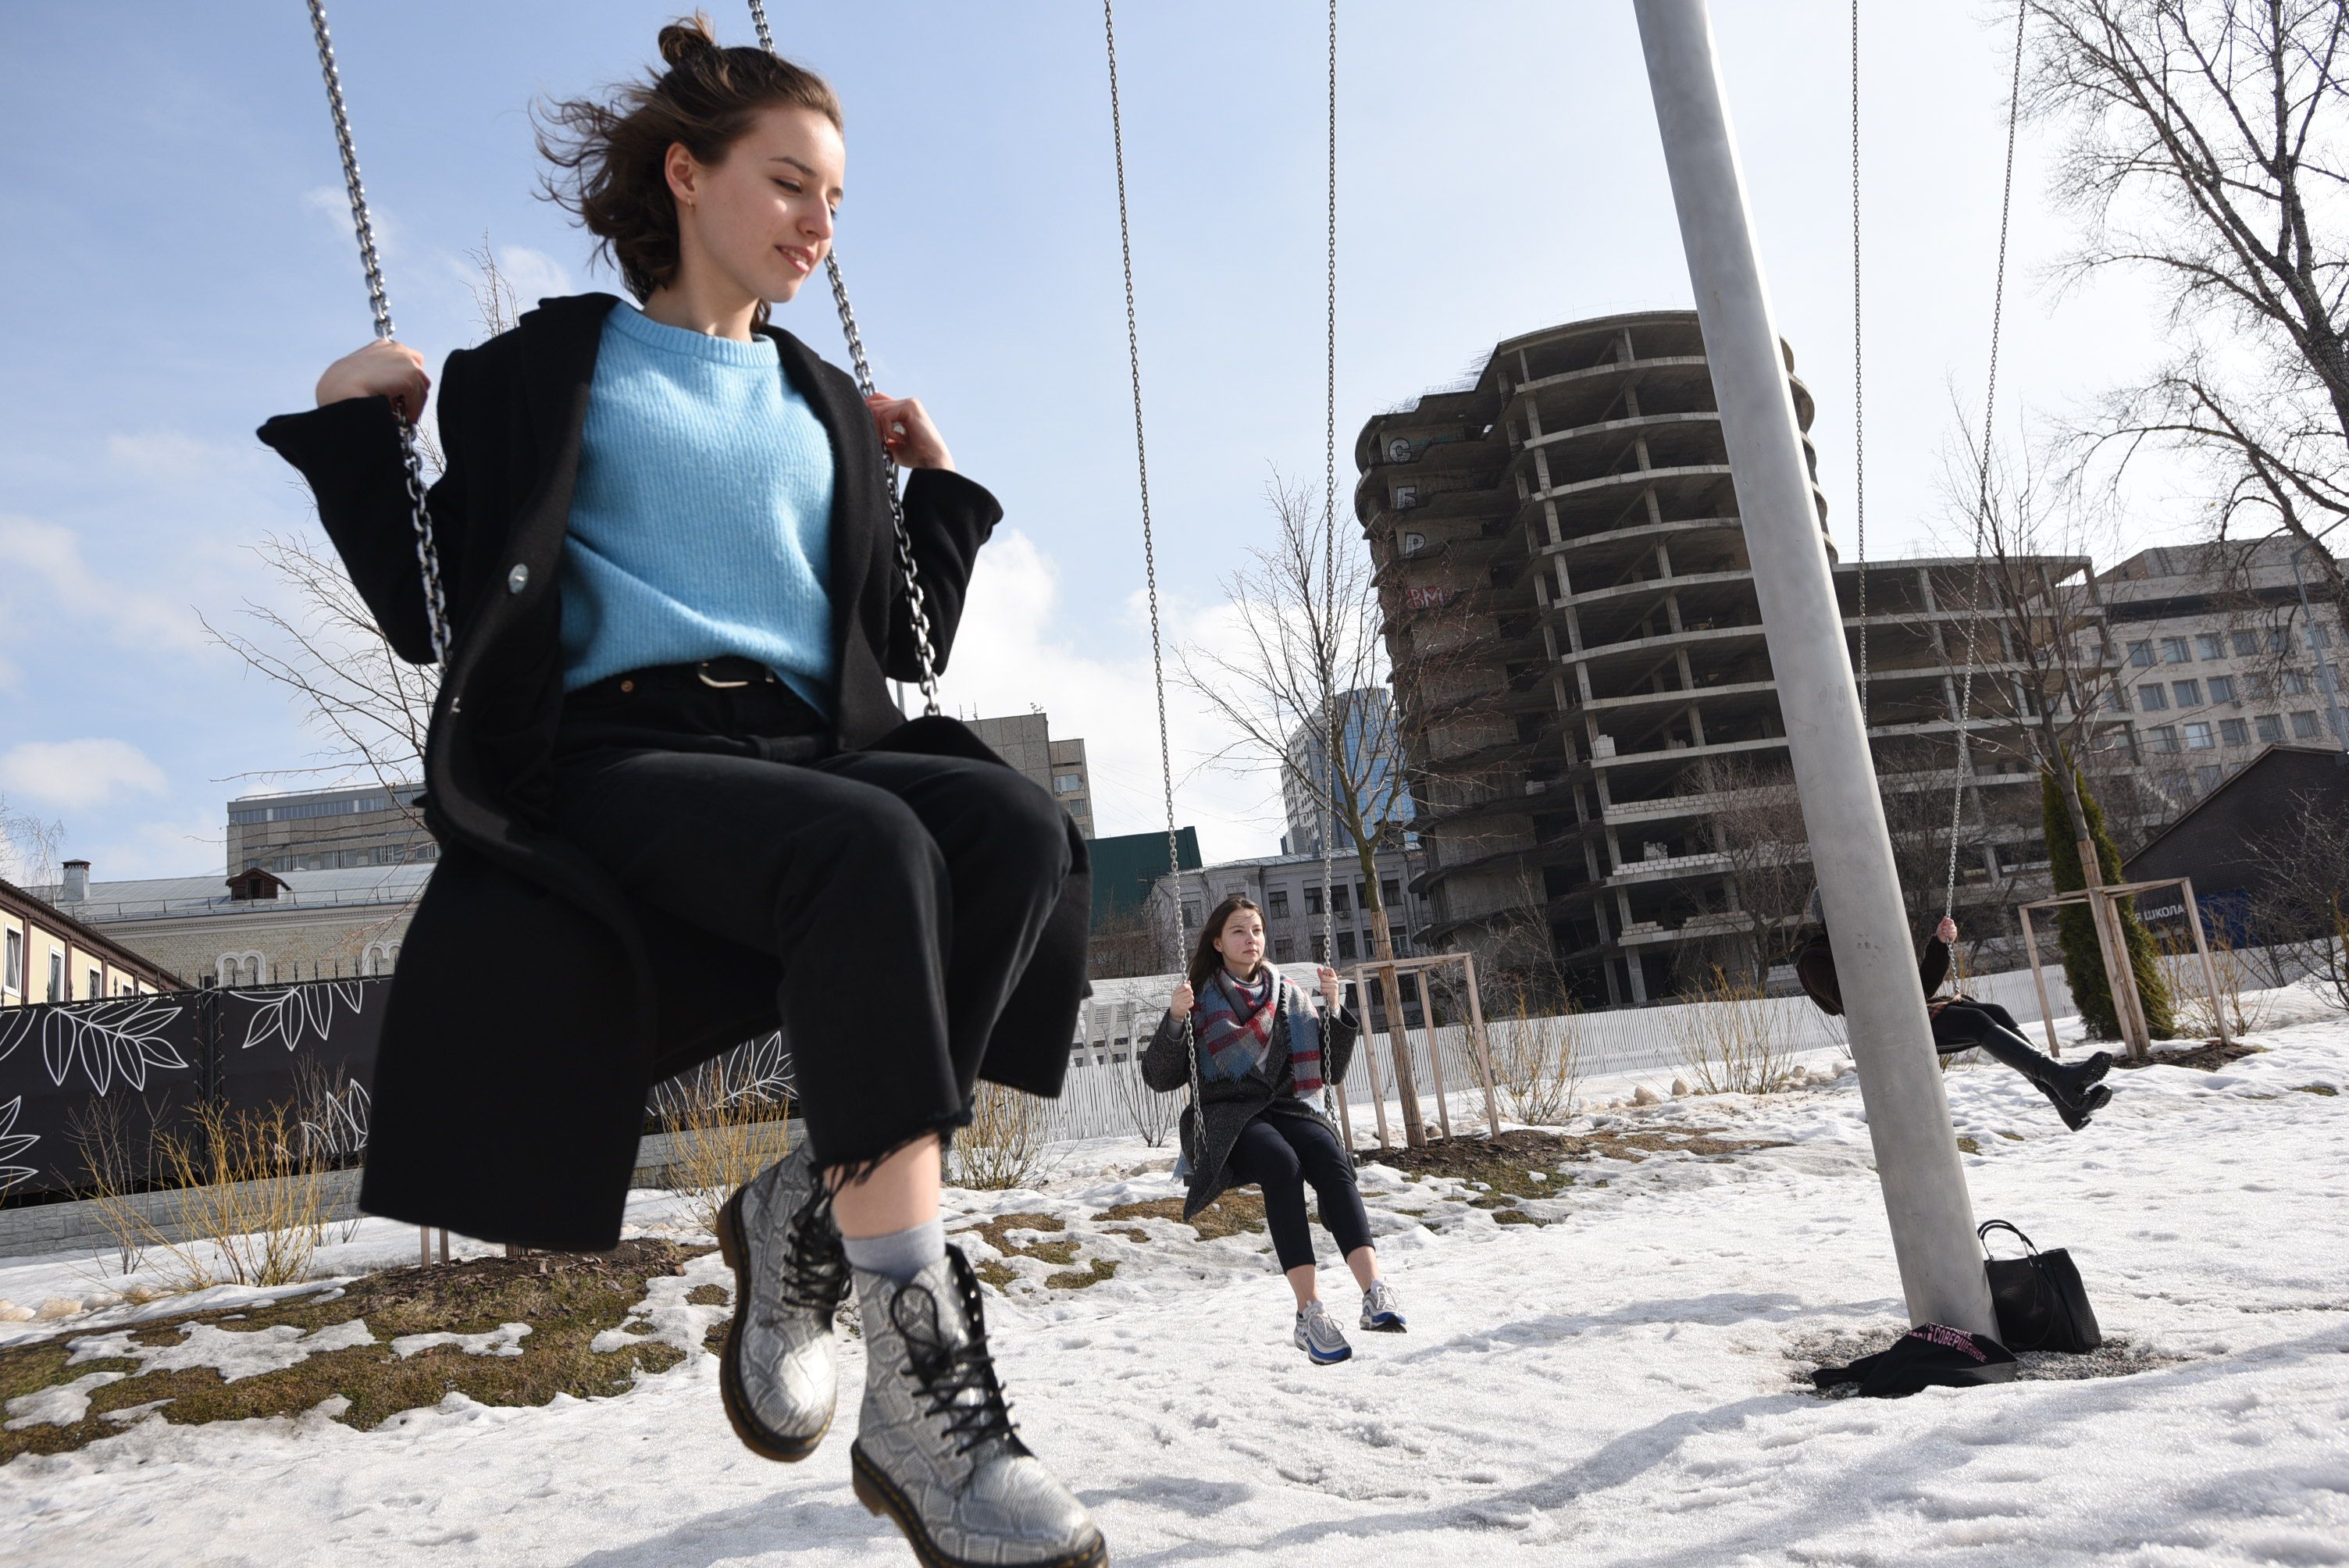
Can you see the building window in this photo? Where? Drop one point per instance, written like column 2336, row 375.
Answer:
column 2140, row 653
column 1277, row 900
column 1338, row 901
column 94, row 980
column 2211, row 644
column 2295, row 682
column 1067, row 783
column 2234, row 732
column 2318, row 637
column 2280, row 639
column 1345, row 944
column 2247, row 645
column 2151, row 697
column 1391, row 890
column 1320, row 951
column 2164, row 739
column 12, row 974
column 1313, row 902
column 2206, row 778
column 2270, row 729
column 1190, row 913
column 57, row 975
column 2304, row 726
column 2222, row 688
column 2175, row 651
column 2116, row 700
column 2198, row 737
column 2187, row 693
column 1283, row 950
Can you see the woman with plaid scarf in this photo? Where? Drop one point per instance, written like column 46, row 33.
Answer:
column 1261, row 1051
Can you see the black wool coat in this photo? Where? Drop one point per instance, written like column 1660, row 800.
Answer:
column 1815, row 970
column 1227, row 1106
column 535, row 1002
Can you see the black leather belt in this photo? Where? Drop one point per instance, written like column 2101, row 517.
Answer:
column 718, row 675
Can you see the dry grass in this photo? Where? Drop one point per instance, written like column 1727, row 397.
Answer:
column 724, row 1128
column 2239, row 1004
column 236, row 1201
column 566, row 1298
column 1731, row 1038
column 1538, row 1063
column 1003, row 1147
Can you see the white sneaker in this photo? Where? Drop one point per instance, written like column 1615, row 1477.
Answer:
column 1382, row 1314
column 1317, row 1336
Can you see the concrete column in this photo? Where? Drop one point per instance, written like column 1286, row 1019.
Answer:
column 1916, row 1161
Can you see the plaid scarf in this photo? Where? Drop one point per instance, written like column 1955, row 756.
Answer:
column 1237, row 1024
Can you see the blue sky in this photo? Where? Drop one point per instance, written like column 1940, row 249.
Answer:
column 177, row 265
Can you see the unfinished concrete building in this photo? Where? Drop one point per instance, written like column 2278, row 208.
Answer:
column 1579, row 667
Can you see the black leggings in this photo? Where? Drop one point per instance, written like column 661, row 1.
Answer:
column 902, row 894
column 1280, row 1154
column 1985, row 1026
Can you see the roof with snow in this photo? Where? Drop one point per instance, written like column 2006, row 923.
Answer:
column 161, row 898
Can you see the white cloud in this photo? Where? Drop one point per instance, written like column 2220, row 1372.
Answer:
column 1010, row 654
column 79, row 773
column 51, row 556
column 533, row 275
column 175, row 458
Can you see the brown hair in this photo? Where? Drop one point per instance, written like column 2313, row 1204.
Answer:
column 1204, row 958
column 609, row 157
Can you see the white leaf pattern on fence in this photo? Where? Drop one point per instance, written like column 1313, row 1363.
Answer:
column 297, row 1012
column 12, row 1143
column 118, row 1038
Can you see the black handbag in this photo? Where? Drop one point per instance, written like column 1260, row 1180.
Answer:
column 2041, row 1303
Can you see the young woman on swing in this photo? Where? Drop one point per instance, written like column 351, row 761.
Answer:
column 1260, row 1051
column 676, row 805
column 1961, row 1023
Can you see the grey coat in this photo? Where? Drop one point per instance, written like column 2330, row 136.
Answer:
column 1229, row 1106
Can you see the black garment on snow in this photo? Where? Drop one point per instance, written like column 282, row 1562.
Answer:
column 902, row 895
column 1229, row 1106
column 535, row 1001
column 1929, row 1355
column 1282, row 1154
column 1815, row 968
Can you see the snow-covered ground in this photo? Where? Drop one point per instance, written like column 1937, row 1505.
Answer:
column 1615, row 1386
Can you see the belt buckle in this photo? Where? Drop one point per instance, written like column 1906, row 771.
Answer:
column 702, row 671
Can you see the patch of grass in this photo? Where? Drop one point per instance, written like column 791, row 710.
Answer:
column 1229, row 1215
column 1097, row 1270
column 1126, row 1233
column 1968, row 1146
column 566, row 1298
column 2207, row 1057
column 1513, row 1215
column 2010, row 1137
column 2327, row 1091
column 1506, row 1164
column 708, row 1295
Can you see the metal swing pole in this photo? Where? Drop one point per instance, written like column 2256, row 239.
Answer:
column 1925, row 1195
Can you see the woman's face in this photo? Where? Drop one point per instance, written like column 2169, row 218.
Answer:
column 1242, row 940
column 762, row 216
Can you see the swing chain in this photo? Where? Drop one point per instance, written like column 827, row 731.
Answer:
column 1330, row 553
column 1150, row 569
column 1858, row 388
column 428, row 556
column 918, row 603
column 1981, row 498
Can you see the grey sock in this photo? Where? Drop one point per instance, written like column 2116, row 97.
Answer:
column 900, row 1255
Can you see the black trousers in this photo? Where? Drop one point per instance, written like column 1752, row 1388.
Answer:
column 1280, row 1154
column 902, row 894
column 1969, row 1024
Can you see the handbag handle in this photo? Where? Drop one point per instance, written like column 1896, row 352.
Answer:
column 1983, row 1231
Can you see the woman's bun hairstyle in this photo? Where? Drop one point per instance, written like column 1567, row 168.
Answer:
column 609, row 156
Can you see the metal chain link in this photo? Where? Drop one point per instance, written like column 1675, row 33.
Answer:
column 1859, row 384
column 1330, row 546
column 1982, row 500
column 917, row 601
column 1150, row 554
column 428, row 556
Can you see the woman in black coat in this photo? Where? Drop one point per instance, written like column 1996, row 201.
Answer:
column 676, row 805
column 1962, row 1024
column 1249, row 1038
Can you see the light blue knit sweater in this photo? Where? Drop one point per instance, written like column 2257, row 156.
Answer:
column 702, row 519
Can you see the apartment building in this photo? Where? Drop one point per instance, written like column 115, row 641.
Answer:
column 341, row 829
column 2222, row 655
column 1290, row 892
column 1365, row 723
column 257, row 927
column 47, row 954
column 1578, row 658
column 1025, row 741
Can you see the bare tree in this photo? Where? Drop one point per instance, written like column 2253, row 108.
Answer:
column 28, row 846
column 1125, row 944
column 1291, row 687
column 1756, row 819
column 2303, row 910
column 2204, row 151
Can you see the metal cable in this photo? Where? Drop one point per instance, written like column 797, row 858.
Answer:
column 1150, row 552
column 1331, row 761
column 918, row 603
column 1982, row 497
column 428, row 556
column 1859, row 384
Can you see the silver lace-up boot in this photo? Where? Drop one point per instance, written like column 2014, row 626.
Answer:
column 780, row 1375
column 935, row 1449
column 1319, row 1335
column 1381, row 1313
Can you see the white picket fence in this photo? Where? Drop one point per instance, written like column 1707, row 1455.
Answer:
column 1104, row 1096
